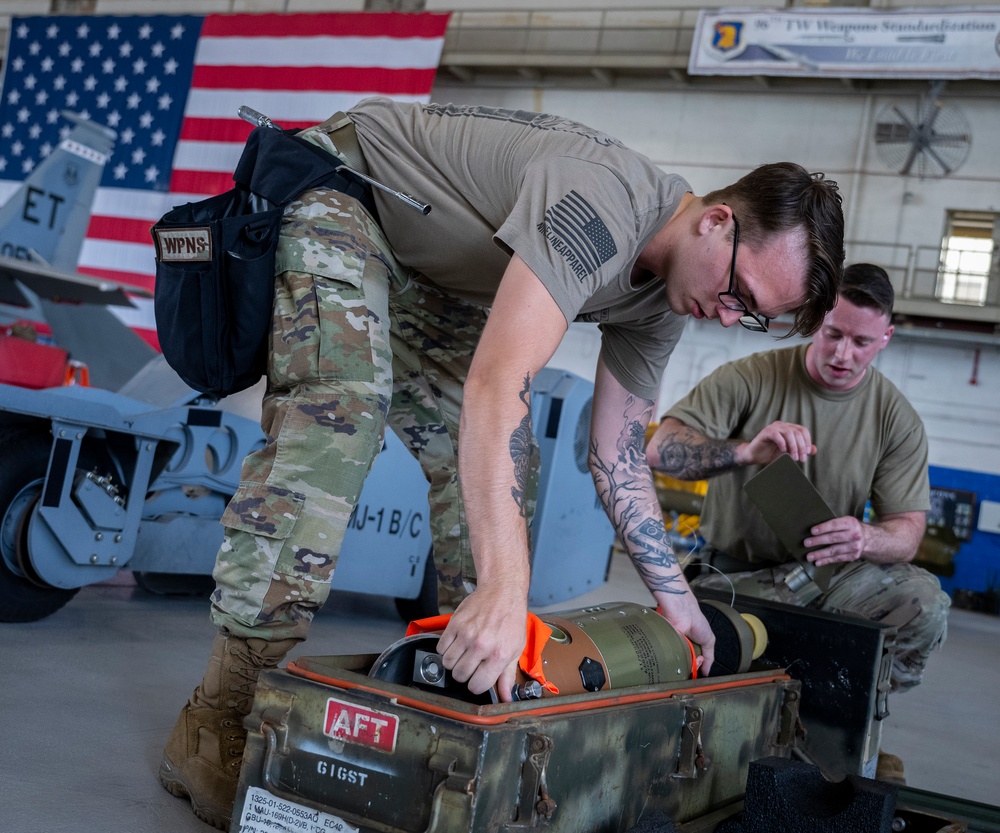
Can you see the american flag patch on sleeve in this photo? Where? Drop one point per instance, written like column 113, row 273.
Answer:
column 574, row 229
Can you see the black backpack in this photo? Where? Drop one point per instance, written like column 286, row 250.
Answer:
column 214, row 289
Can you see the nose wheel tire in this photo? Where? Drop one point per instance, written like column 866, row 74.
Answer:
column 20, row 520
column 24, row 458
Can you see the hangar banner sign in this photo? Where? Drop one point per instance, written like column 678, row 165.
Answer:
column 847, row 43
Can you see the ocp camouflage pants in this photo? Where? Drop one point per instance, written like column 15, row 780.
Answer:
column 901, row 595
column 358, row 341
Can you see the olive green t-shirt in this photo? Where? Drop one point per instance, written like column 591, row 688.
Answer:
column 574, row 203
column 869, row 443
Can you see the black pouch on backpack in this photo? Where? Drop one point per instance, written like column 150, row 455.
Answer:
column 215, row 258
column 215, row 289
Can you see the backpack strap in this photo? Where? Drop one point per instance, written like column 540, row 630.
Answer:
column 340, row 128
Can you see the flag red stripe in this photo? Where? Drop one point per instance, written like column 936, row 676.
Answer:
column 388, row 24
column 343, row 79
column 119, row 228
column 200, row 182
column 196, row 129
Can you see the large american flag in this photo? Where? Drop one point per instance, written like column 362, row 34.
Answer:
column 171, row 86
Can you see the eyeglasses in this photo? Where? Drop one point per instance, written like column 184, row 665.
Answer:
column 730, row 300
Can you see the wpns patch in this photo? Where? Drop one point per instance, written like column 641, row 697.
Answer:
column 575, row 231
column 183, row 245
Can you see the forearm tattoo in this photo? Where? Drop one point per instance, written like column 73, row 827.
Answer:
column 688, row 455
column 520, row 452
column 623, row 483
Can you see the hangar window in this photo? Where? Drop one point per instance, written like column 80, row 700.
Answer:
column 968, row 258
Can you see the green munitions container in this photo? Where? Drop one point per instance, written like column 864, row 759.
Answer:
column 332, row 748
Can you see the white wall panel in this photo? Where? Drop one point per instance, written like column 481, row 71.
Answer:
column 956, row 391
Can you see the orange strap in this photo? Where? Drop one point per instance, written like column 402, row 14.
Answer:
column 691, row 646
column 530, row 662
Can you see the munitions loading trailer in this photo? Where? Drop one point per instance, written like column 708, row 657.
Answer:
column 93, row 482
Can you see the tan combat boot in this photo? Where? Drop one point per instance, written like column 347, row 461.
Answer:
column 202, row 758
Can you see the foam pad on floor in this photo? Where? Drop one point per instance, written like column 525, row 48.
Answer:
column 783, row 794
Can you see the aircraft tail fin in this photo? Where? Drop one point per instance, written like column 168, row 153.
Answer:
column 46, row 219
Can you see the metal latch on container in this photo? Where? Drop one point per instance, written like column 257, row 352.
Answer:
column 446, row 762
column 883, row 686
column 788, row 719
column 691, row 757
column 274, row 728
column 534, row 803
column 452, row 801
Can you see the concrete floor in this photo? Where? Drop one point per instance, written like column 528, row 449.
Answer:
column 89, row 695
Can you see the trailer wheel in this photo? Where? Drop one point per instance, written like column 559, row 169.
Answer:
column 24, row 458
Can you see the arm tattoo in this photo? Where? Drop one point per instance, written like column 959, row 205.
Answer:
column 623, row 483
column 688, row 455
column 520, row 452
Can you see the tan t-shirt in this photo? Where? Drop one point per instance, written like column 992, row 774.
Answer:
column 574, row 203
column 869, row 443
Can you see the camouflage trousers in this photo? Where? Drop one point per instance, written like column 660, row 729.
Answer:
column 901, row 595
column 358, row 342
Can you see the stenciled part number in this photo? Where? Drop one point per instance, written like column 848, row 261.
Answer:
column 381, row 520
column 264, row 813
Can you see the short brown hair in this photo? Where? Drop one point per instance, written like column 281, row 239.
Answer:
column 868, row 285
column 779, row 197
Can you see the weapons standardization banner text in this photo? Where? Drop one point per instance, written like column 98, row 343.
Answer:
column 847, row 43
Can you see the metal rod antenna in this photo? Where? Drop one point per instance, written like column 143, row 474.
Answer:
column 422, row 207
column 258, row 119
